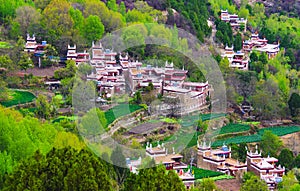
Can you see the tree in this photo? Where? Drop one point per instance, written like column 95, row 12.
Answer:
column 253, row 56
column 25, row 62
column 207, row 184
column 289, row 180
column 3, row 90
column 156, row 178
column 267, row 101
column 138, row 97
column 294, row 104
column 61, row 169
column 263, row 57
column 286, row 158
column 27, row 16
column 93, row 28
column 122, row 8
column 296, row 162
column 173, row 105
column 270, row 143
column 68, row 72
column 78, row 19
column 254, row 183
column 238, row 42
column 224, row 66
column 243, row 13
column 42, row 107
column 246, row 82
column 6, row 62
column 118, row 160
column 112, row 5
column 85, row 69
column 57, row 20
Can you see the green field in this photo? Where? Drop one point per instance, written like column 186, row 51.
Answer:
column 203, row 173
column 190, row 120
column 234, row 128
column 279, row 131
column 119, row 111
column 18, row 97
column 69, row 118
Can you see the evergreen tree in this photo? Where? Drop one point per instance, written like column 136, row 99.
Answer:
column 60, row 169
column 238, row 42
column 286, row 158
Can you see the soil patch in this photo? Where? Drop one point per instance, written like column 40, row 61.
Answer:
column 41, row 72
column 229, row 185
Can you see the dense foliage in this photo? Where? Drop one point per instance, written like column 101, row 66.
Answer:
column 156, row 178
column 61, row 169
column 21, row 136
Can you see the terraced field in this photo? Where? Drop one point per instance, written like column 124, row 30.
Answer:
column 18, row 97
column 279, row 131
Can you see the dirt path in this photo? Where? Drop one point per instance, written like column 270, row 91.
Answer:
column 228, row 185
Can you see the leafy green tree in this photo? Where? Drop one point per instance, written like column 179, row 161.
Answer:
column 6, row 62
column 93, row 28
column 25, row 62
column 41, row 4
column 286, row 158
column 243, row 13
column 239, row 151
column 263, row 57
column 42, row 107
column 294, row 104
column 112, row 5
column 238, row 42
column 57, row 20
column 118, row 160
column 78, row 19
column 137, row 16
column 27, row 16
column 267, row 101
column 6, row 165
column 289, row 180
column 224, row 66
column 270, row 143
column 61, row 169
column 254, row 183
column 3, row 90
column 85, row 69
column 296, row 162
column 156, row 178
column 122, row 8
column 207, row 184
column 253, row 56
column 138, row 97
column 68, row 72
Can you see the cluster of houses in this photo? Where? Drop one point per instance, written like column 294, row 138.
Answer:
column 124, row 76
column 233, row 19
column 170, row 160
column 239, row 59
column 220, row 160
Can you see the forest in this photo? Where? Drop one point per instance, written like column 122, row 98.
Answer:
column 41, row 148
